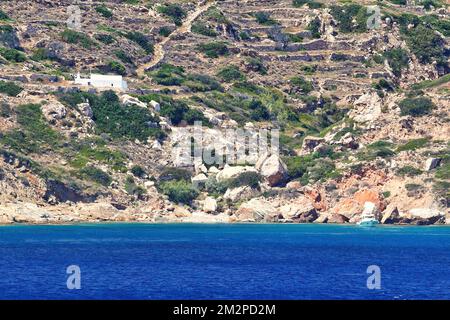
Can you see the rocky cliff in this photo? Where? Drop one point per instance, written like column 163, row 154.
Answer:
column 359, row 94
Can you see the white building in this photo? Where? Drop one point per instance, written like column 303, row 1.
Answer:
column 102, row 81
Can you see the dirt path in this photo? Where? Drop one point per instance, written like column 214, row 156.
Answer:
column 159, row 51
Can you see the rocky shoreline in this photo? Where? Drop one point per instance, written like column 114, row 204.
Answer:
column 255, row 211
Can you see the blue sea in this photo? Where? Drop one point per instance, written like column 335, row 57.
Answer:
column 240, row 261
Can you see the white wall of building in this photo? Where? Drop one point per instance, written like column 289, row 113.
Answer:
column 102, row 81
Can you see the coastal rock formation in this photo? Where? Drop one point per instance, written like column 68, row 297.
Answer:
column 272, row 169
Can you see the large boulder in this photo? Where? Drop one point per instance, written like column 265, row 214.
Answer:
column 129, row 100
column 210, row 205
column 54, row 111
column 24, row 213
column 272, row 169
column 310, row 144
column 232, row 172
column 240, row 193
column 301, row 210
column 390, row 215
column 256, row 210
column 431, row 163
column 425, row 216
column 85, row 109
column 367, row 108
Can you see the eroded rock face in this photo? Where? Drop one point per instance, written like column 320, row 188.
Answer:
column 256, row 210
column 24, row 213
column 427, row 215
column 300, row 210
column 351, row 207
column 367, row 108
column 54, row 111
column 129, row 100
column 390, row 215
column 210, row 205
column 273, row 169
column 240, row 193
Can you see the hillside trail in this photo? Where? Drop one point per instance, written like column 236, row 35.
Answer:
column 159, row 51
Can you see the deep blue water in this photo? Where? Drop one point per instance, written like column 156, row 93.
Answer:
column 189, row 261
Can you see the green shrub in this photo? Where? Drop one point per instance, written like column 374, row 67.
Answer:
column 3, row 15
column 168, row 75
column 5, row 110
column 138, row 171
column 416, row 107
column 213, row 49
column 34, row 134
column 413, row 187
column 132, row 188
column 193, row 115
column 173, row 11
column 249, row 178
column 123, row 56
column 294, row 38
column 264, row 18
column 231, row 73
column 104, row 11
column 141, row 40
column 259, row 111
column 256, row 64
column 165, row 31
column 105, row 38
column 384, row 84
column 443, row 172
column 413, row 144
column 13, row 55
column 39, row 54
column 88, row 150
column 425, row 44
column 203, row 29
column 214, row 187
column 409, row 171
column 174, row 174
column 74, row 37
column 347, row 14
column 301, row 84
column 314, row 27
column 308, row 69
column 10, row 88
column 96, row 175
column 398, row 60
column 202, row 83
column 179, row 191
column 116, row 67
column 311, row 4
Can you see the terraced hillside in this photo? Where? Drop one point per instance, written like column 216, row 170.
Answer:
column 358, row 89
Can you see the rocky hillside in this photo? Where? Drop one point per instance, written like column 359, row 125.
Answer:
column 359, row 91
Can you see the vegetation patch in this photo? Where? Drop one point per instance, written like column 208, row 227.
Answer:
column 34, row 135
column 75, row 37
column 213, row 49
column 10, row 88
column 173, row 11
column 416, row 107
column 13, row 55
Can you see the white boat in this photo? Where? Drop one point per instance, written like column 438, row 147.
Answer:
column 368, row 218
column 368, row 221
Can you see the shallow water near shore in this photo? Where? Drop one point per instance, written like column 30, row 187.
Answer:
column 224, row 261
